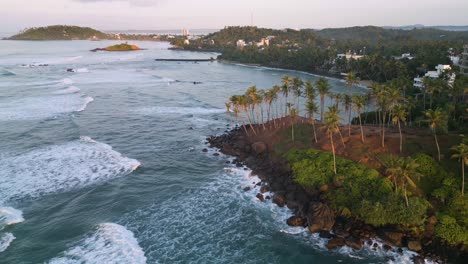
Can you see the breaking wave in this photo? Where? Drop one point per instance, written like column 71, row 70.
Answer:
column 34, row 108
column 110, row 243
column 60, row 168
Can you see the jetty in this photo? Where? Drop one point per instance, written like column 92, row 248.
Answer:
column 187, row 60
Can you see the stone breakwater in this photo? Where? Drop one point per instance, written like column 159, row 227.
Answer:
column 311, row 209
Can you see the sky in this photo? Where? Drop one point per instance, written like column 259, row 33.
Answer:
column 215, row 14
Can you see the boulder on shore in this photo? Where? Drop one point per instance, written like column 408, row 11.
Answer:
column 259, row 147
column 279, row 200
column 414, row 245
column 335, row 243
column 296, row 221
column 320, row 217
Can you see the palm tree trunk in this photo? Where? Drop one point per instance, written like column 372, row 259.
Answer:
column 322, row 103
column 360, row 124
column 349, row 123
column 406, row 196
column 292, row 130
column 250, row 121
column 463, row 177
column 437, row 144
column 401, row 137
column 341, row 136
column 333, row 151
column 313, row 127
column 383, row 129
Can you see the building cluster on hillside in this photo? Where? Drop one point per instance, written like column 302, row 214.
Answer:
column 404, row 56
column 262, row 43
column 440, row 71
column 349, row 55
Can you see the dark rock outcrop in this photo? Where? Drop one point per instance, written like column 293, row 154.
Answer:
column 259, row 148
column 279, row 200
column 296, row 221
column 320, row 217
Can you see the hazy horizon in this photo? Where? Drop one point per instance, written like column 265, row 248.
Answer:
column 112, row 15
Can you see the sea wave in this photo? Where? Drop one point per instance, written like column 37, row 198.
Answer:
column 10, row 216
column 60, row 168
column 5, row 241
column 69, row 90
column 43, row 107
column 159, row 110
column 110, row 243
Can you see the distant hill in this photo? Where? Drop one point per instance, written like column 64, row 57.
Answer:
column 375, row 34
column 419, row 26
column 61, row 32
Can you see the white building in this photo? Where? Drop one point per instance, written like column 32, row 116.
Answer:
column 404, row 56
column 263, row 42
column 240, row 43
column 349, row 55
column 440, row 69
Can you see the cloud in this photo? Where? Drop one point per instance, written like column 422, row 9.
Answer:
column 131, row 2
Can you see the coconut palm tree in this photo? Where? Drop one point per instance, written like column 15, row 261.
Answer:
column 312, row 108
column 293, row 114
column 436, row 119
column 401, row 170
column 286, row 89
column 323, row 88
column 350, row 80
column 245, row 104
column 348, row 106
column 399, row 113
column 461, row 153
column 269, row 98
column 332, row 121
column 359, row 104
column 297, row 85
column 236, row 102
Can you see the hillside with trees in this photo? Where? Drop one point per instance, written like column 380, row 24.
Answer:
column 61, row 32
column 316, row 51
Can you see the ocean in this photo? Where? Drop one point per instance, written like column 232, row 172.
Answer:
column 101, row 161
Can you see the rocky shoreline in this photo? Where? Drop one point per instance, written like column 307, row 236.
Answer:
column 311, row 210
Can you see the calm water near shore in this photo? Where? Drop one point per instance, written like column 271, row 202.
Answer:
column 105, row 164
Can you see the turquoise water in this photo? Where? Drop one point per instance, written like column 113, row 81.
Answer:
column 105, row 164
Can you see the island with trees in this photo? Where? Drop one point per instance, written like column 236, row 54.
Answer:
column 388, row 164
column 118, row 47
column 65, row 32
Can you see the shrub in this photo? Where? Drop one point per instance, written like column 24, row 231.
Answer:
column 362, row 191
column 451, row 231
column 433, row 173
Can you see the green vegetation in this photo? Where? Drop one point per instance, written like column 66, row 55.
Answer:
column 316, row 51
column 404, row 184
column 356, row 189
column 60, row 32
column 122, row 47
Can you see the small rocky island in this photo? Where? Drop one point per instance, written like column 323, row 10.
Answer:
column 118, row 47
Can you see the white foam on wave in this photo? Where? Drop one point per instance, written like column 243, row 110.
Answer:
column 79, row 70
column 10, row 216
column 60, row 168
column 161, row 110
column 130, row 57
column 5, row 241
column 87, row 100
column 110, row 243
column 34, row 108
column 67, row 81
column 69, row 90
